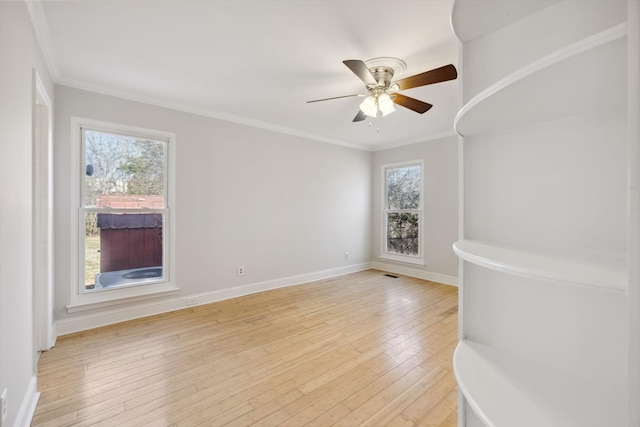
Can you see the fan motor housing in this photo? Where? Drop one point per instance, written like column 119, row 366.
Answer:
column 384, row 68
column 383, row 75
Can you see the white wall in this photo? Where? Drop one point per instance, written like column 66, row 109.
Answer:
column 280, row 205
column 440, row 159
column 19, row 56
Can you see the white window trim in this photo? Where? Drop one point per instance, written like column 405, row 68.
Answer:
column 80, row 301
column 409, row 259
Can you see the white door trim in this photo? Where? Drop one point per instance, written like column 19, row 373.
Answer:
column 44, row 326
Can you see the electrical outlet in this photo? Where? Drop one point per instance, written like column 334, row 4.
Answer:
column 346, row 255
column 241, row 270
column 3, row 407
column 192, row 301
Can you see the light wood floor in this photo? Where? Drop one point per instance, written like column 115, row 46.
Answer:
column 361, row 349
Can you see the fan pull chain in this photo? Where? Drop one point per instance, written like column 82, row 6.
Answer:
column 378, row 123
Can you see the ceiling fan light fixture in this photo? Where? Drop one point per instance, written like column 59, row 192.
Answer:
column 377, row 74
column 369, row 106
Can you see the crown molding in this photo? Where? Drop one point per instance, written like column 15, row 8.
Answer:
column 129, row 96
column 41, row 28
column 206, row 113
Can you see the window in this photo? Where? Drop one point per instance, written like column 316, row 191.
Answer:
column 124, row 202
column 403, row 212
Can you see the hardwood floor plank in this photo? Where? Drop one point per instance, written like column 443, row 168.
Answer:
column 360, row 349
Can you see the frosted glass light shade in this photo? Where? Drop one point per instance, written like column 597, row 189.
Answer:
column 385, row 104
column 369, row 106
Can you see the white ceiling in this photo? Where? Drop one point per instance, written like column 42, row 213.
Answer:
column 257, row 61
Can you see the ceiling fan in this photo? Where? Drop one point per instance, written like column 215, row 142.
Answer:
column 382, row 93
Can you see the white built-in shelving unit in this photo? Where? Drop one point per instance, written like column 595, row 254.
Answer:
column 549, row 204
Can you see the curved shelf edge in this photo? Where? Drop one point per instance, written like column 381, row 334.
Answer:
column 566, row 267
column 505, row 389
column 558, row 56
column 459, row 361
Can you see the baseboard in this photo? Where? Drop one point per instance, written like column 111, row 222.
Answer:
column 28, row 406
column 150, row 308
column 415, row 272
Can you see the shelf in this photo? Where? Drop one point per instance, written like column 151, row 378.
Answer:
column 563, row 84
column 569, row 267
column 506, row 390
column 472, row 19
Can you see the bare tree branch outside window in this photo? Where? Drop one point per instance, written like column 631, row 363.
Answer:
column 123, row 165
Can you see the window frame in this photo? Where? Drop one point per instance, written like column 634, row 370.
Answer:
column 384, row 253
column 81, row 299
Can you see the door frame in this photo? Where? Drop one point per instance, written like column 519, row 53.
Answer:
column 42, row 216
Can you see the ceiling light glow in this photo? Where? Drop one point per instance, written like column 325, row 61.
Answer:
column 369, row 106
column 375, row 105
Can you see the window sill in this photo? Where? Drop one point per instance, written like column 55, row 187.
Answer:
column 402, row 259
column 109, row 298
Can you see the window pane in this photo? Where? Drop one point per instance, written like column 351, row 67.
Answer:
column 122, row 249
column 123, row 171
column 402, row 233
column 403, row 188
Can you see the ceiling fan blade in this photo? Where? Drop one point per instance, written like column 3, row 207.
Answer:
column 437, row 75
column 411, row 103
column 335, row 97
column 360, row 116
column 360, row 69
